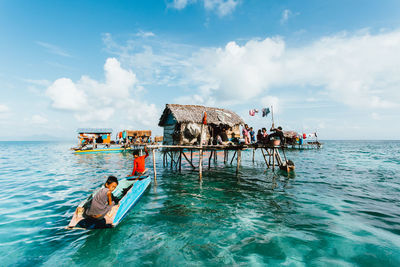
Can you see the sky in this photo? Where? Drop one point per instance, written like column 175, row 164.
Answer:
column 331, row 67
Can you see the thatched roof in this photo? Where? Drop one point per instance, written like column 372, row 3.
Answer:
column 138, row 133
column 194, row 113
column 94, row 130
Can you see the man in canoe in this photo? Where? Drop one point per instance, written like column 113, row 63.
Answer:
column 101, row 204
column 139, row 163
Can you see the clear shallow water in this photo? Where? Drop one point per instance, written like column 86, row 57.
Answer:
column 341, row 208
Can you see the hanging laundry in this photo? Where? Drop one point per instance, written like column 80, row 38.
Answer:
column 256, row 110
column 304, row 136
column 252, row 112
column 265, row 112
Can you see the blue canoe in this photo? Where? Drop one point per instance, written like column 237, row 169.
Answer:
column 127, row 189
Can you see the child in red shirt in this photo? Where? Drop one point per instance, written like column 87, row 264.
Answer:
column 139, row 162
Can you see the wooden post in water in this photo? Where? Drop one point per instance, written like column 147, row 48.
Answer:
column 209, row 159
column 201, row 153
column 154, row 166
column 254, row 151
column 180, row 160
column 273, row 159
column 239, row 157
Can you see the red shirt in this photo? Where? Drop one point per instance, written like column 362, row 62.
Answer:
column 139, row 164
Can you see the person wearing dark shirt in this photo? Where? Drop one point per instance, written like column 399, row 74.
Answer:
column 277, row 132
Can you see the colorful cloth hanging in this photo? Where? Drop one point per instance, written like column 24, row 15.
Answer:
column 265, row 112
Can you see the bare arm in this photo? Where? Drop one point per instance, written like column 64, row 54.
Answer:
column 109, row 197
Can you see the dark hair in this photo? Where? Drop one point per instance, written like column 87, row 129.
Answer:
column 135, row 152
column 111, row 179
column 280, row 128
column 264, row 129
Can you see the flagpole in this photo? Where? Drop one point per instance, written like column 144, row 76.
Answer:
column 272, row 114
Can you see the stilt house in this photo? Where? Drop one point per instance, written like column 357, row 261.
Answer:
column 182, row 124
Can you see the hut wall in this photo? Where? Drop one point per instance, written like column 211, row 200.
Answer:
column 190, row 133
column 168, row 134
column 234, row 130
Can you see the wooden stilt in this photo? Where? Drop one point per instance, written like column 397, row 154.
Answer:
column 154, row 166
column 201, row 164
column 180, row 160
column 225, row 156
column 209, row 159
column 284, row 155
column 273, row 159
column 234, row 154
column 190, row 162
column 239, row 156
column 254, row 151
column 265, row 158
column 201, row 153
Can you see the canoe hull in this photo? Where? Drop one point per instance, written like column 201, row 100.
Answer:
column 102, row 150
column 117, row 212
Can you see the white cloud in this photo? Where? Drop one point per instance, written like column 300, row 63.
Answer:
column 221, row 7
column 144, row 34
column 65, row 95
column 53, row 49
column 285, row 15
column 3, row 108
column 37, row 119
column 179, row 4
column 94, row 101
column 359, row 70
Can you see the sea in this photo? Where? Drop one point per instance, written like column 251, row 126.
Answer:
column 341, row 207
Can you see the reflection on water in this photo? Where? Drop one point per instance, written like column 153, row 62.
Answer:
column 340, row 207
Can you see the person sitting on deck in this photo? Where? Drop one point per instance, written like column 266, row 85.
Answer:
column 259, row 137
column 246, row 135
column 139, row 163
column 277, row 133
column 101, row 204
column 264, row 135
column 252, row 135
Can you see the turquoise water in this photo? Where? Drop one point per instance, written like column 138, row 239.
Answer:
column 341, row 208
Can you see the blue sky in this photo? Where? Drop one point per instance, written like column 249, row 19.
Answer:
column 326, row 66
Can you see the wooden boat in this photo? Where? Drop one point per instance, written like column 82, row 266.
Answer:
column 130, row 196
column 102, row 150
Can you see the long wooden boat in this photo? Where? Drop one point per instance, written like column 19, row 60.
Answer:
column 130, row 196
column 102, row 150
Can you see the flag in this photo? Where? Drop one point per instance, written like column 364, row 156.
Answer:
column 265, row 112
column 205, row 118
